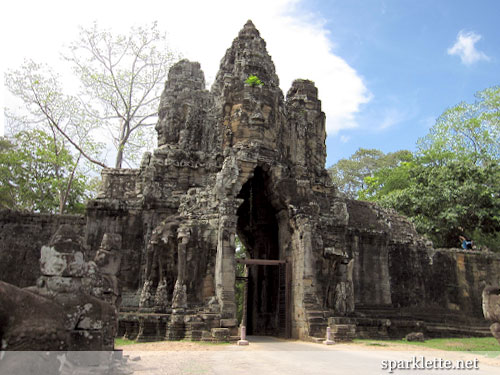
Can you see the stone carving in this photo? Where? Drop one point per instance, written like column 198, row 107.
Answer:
column 491, row 309
column 74, row 304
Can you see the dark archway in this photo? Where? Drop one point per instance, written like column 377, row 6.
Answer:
column 258, row 230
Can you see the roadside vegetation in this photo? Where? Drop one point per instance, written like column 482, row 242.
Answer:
column 469, row 344
column 448, row 187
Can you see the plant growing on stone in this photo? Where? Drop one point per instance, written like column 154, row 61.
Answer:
column 253, row 81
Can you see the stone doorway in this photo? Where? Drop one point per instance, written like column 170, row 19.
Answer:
column 266, row 296
column 281, row 313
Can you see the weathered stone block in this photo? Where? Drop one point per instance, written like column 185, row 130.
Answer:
column 88, row 323
column 220, row 334
column 415, row 336
column 85, row 340
column 59, row 284
column 491, row 303
column 227, row 323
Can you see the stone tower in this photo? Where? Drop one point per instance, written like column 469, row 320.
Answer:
column 242, row 161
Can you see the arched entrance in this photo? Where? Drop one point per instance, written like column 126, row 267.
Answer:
column 267, row 285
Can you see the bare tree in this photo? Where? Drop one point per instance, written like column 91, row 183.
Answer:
column 56, row 117
column 122, row 77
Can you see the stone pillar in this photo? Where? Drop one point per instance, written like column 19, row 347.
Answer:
column 328, row 340
column 225, row 267
column 243, row 340
column 179, row 299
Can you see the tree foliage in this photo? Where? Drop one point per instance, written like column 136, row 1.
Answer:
column 451, row 186
column 444, row 201
column 349, row 174
column 466, row 132
column 38, row 174
column 121, row 78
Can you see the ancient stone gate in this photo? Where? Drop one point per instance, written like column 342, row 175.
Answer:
column 243, row 160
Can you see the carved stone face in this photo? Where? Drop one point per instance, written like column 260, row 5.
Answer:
column 254, row 109
column 257, row 108
column 161, row 130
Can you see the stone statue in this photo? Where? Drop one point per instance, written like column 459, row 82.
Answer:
column 491, row 309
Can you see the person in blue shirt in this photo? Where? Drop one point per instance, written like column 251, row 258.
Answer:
column 466, row 245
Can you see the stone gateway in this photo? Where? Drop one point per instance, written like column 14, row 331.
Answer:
column 243, row 162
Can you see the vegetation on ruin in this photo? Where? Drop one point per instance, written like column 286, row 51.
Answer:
column 253, row 81
column 449, row 186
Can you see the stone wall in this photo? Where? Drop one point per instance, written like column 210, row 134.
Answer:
column 21, row 238
column 408, row 273
column 402, row 284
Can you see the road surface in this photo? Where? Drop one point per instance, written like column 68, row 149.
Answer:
column 267, row 355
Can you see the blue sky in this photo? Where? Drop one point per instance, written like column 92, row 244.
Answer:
column 385, row 69
column 400, row 49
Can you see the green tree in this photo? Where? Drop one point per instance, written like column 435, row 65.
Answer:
column 349, row 174
column 387, row 180
column 38, row 174
column 466, row 132
column 7, row 190
column 451, row 186
column 445, row 201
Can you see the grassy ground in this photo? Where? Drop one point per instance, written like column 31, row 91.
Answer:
column 471, row 344
column 121, row 342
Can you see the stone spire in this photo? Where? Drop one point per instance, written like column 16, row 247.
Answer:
column 246, row 56
column 181, row 114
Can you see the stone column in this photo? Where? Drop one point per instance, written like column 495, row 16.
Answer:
column 225, row 266
column 179, row 299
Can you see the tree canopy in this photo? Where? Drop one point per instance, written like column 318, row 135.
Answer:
column 349, row 174
column 451, row 185
column 38, row 174
column 121, row 78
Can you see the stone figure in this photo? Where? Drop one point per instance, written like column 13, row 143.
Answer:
column 70, row 308
column 491, row 309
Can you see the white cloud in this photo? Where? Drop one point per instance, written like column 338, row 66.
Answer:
column 465, row 48
column 391, row 117
column 344, row 138
column 202, row 30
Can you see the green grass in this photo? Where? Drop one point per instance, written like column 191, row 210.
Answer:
column 121, row 342
column 207, row 342
column 470, row 344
